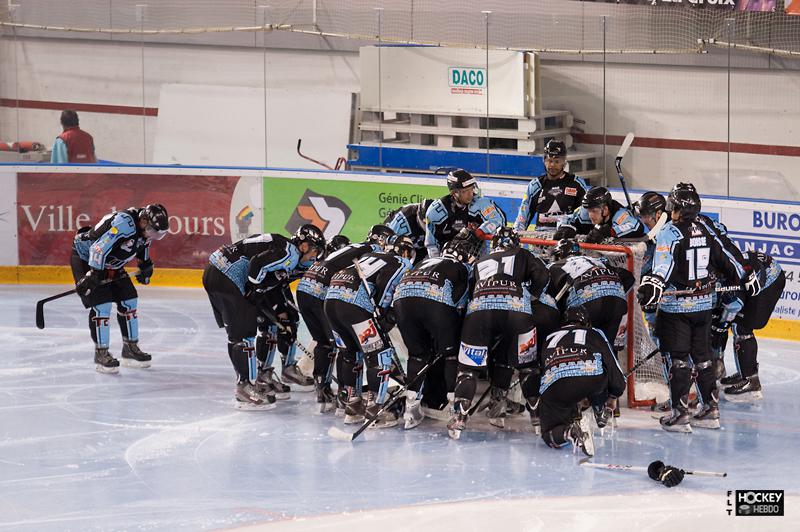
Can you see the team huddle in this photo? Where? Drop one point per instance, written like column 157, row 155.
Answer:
column 472, row 304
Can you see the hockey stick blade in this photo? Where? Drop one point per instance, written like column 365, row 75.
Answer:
column 653, row 233
column 625, row 145
column 338, row 434
column 41, row 302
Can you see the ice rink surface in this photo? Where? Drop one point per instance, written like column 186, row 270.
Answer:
column 163, row 449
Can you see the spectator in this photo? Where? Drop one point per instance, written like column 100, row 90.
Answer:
column 73, row 145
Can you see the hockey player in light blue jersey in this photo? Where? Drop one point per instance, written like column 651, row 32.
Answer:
column 600, row 217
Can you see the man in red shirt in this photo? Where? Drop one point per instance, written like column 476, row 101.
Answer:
column 73, row 145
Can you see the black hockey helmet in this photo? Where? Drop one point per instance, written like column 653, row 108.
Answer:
column 402, row 245
column 422, row 209
column 596, row 197
column 459, row 179
column 555, row 148
column 157, row 220
column 505, row 238
column 577, row 315
column 686, row 202
column 463, row 249
column 684, row 186
column 650, row 203
column 313, row 235
column 566, row 247
column 336, row 243
column 379, row 234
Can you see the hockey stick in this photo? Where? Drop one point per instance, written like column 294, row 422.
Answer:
column 621, row 467
column 618, row 163
column 639, row 364
column 41, row 302
column 691, row 291
column 376, row 317
column 307, row 158
column 339, row 434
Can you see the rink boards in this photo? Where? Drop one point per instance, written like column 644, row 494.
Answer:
column 42, row 206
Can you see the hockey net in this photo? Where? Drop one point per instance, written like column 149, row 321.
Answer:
column 647, row 385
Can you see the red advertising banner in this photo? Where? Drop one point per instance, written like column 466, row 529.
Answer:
column 51, row 207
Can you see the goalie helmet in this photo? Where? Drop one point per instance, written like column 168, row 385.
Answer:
column 596, row 197
column 576, row 316
column 312, row 234
column 157, row 220
column 650, row 203
column 555, row 148
column 460, row 179
column 505, row 238
column 336, row 243
column 566, row 247
column 379, row 234
column 686, row 202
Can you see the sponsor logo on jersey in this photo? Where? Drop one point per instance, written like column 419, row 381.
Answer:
column 473, row 355
column 329, row 213
column 526, row 343
column 555, row 191
column 368, row 337
column 488, row 211
column 622, row 217
column 114, row 230
column 569, row 191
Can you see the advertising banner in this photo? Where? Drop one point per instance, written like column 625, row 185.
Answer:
column 792, row 7
column 346, row 207
column 8, row 219
column 51, row 208
column 738, row 5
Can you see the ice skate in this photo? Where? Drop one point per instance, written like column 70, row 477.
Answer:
column 291, row 375
column 532, row 405
column 707, row 417
column 133, row 357
column 325, row 397
column 104, row 362
column 747, row 390
column 248, row 398
column 341, row 401
column 458, row 422
column 579, row 438
column 731, row 379
column 678, row 420
column 387, row 418
column 354, row 410
column 413, row 415
column 266, row 376
column 498, row 406
column 265, row 392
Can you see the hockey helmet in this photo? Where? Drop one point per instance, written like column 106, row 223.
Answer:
column 336, row 243
column 650, row 203
column 577, row 315
column 505, row 238
column 379, row 234
column 555, row 148
column 566, row 247
column 686, row 201
column 313, row 235
column 402, row 246
column 462, row 249
column 596, row 197
column 459, row 179
column 157, row 220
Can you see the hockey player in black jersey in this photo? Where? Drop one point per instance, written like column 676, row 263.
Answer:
column 463, row 211
column 592, row 283
column 360, row 319
column 243, row 279
column 100, row 253
column 553, row 195
column 600, row 217
column 744, row 385
column 499, row 328
column 429, row 303
column 311, row 292
column 685, row 251
column 578, row 366
column 409, row 220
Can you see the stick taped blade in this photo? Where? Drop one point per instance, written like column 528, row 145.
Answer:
column 625, row 145
column 338, row 434
column 40, row 315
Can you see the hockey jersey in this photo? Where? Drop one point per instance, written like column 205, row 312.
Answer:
column 506, row 280
column 575, row 351
column 548, row 201
column 113, row 242
column 441, row 279
column 588, row 278
column 406, row 222
column 382, row 271
column 623, row 223
column 262, row 261
column 445, row 219
column 317, row 278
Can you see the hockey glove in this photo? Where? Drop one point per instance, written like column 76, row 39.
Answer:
column 753, row 284
column 88, row 282
column 565, row 231
column 650, row 290
column 598, row 234
column 671, row 476
column 145, row 271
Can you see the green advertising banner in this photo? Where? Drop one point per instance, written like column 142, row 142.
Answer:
column 346, row 207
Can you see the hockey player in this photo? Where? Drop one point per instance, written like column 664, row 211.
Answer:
column 499, row 327
column 462, row 211
column 311, row 292
column 600, row 217
column 745, row 385
column 685, row 250
column 242, row 280
column 578, row 366
column 429, row 303
column 591, row 282
column 553, row 195
column 99, row 254
column 358, row 312
column 409, row 221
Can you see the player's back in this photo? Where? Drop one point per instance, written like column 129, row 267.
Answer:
column 441, row 279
